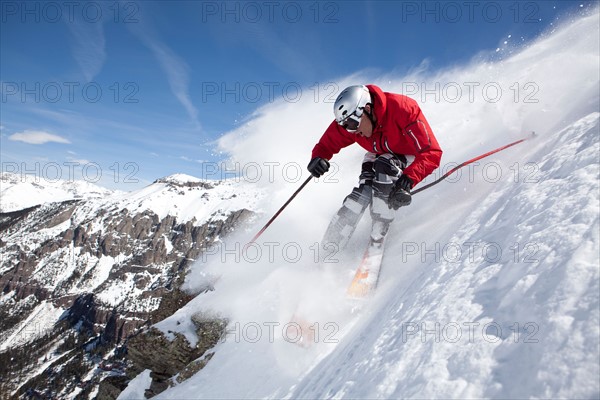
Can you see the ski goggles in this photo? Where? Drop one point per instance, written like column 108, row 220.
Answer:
column 351, row 122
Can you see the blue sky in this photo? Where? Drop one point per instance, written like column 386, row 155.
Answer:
column 139, row 90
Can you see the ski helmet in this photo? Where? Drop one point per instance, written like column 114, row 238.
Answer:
column 349, row 106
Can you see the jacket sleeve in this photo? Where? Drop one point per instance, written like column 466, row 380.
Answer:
column 428, row 153
column 333, row 140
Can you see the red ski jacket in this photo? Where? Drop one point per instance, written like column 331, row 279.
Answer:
column 401, row 129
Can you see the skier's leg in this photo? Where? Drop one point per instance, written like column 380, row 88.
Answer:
column 344, row 222
column 387, row 168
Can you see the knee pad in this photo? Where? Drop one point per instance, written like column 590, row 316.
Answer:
column 360, row 195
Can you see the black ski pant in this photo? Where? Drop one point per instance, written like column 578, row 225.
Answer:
column 378, row 174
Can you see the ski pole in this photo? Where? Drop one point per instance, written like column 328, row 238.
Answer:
column 264, row 228
column 472, row 160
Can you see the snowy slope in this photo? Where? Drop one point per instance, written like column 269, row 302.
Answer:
column 186, row 197
column 511, row 308
column 19, row 191
column 490, row 280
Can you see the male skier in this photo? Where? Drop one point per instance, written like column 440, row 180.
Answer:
column 401, row 151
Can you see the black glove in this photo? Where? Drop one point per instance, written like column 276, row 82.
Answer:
column 400, row 195
column 318, row 166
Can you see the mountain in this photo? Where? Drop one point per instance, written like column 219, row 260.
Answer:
column 88, row 271
column 489, row 285
column 18, row 191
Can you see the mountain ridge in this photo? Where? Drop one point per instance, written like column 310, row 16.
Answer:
column 104, row 266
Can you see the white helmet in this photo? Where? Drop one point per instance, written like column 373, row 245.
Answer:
column 349, row 106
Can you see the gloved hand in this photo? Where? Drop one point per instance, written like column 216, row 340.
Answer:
column 400, row 195
column 318, row 166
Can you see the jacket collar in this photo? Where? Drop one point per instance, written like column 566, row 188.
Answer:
column 379, row 102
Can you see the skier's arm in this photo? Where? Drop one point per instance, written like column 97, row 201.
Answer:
column 428, row 153
column 423, row 165
column 333, row 140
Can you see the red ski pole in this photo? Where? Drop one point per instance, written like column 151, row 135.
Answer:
column 264, row 228
column 472, row 160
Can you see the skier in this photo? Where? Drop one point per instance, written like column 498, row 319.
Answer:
column 401, row 151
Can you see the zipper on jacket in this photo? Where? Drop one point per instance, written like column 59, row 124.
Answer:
column 414, row 138
column 410, row 132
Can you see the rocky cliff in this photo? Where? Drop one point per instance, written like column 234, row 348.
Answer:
column 80, row 277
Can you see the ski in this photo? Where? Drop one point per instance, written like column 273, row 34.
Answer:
column 362, row 285
column 300, row 331
column 367, row 274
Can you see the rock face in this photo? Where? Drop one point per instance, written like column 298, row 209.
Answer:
column 84, row 275
column 172, row 357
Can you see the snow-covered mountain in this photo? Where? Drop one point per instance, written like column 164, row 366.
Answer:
column 100, row 264
column 18, row 191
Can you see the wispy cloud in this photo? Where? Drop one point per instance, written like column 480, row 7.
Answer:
column 81, row 161
column 88, row 45
column 176, row 69
column 37, row 137
column 178, row 76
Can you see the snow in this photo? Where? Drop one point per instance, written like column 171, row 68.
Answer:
column 20, row 191
column 136, row 388
column 36, row 325
column 185, row 203
column 490, row 281
column 516, row 357
column 117, row 291
column 214, row 199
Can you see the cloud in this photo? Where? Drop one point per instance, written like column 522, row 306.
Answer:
column 88, row 44
column 178, row 76
column 176, row 69
column 80, row 161
column 37, row 137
